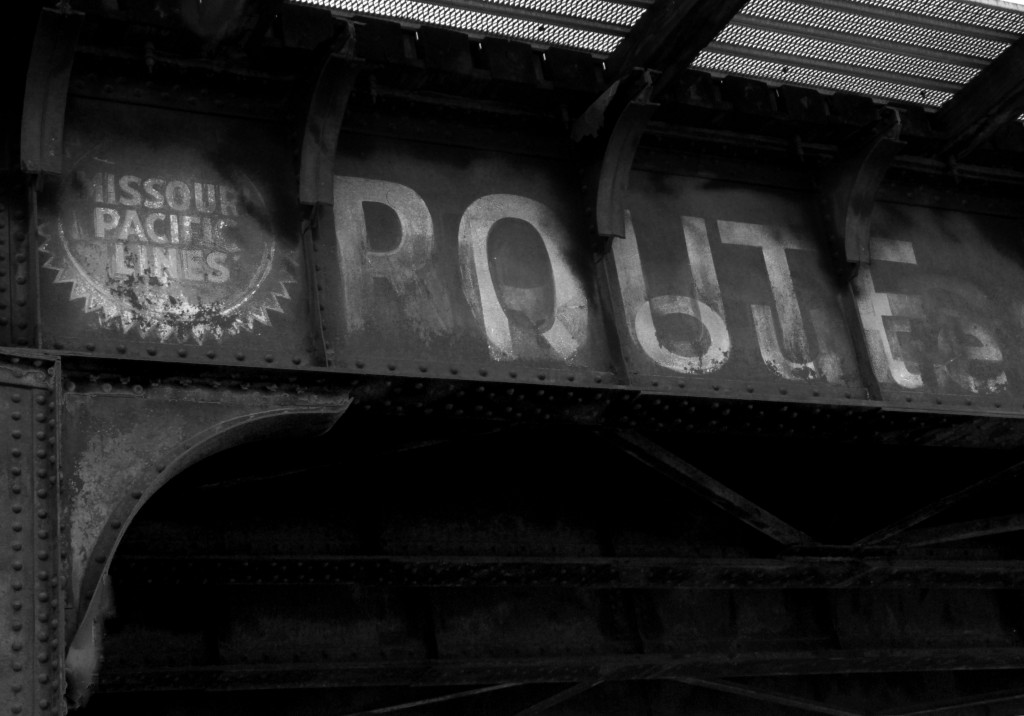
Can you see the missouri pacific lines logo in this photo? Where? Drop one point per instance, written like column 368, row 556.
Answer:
column 181, row 258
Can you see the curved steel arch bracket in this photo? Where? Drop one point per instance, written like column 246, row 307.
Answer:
column 323, row 121
column 850, row 187
column 613, row 150
column 46, row 90
column 120, row 450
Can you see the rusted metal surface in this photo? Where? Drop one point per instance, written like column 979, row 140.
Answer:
column 121, row 449
column 465, row 619
column 526, row 400
column 168, row 236
column 444, row 280
column 449, row 260
column 941, row 306
column 723, row 286
column 445, row 257
column 728, row 284
column 363, row 571
column 134, row 445
column 31, row 589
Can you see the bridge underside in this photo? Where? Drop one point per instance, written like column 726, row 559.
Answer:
column 353, row 367
column 507, row 567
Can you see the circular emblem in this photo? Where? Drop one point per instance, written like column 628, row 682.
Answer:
column 186, row 258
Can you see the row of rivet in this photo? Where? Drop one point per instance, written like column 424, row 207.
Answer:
column 664, row 412
column 5, row 251
column 750, row 389
column 482, row 372
column 312, row 247
column 18, row 248
column 138, row 389
column 47, row 578
column 682, row 385
column 153, row 352
column 16, row 489
column 31, row 429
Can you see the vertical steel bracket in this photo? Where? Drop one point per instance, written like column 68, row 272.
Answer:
column 46, row 91
column 616, row 122
column 849, row 188
column 323, row 121
column 847, row 191
column 327, row 105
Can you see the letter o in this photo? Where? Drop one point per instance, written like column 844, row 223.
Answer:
column 568, row 331
column 179, row 196
column 713, row 356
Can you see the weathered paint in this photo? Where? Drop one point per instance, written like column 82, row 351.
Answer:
column 103, row 471
column 451, row 256
column 942, row 304
column 703, row 352
column 166, row 229
column 752, row 260
column 438, row 258
column 565, row 330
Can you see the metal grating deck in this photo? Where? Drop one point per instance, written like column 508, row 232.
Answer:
column 915, row 51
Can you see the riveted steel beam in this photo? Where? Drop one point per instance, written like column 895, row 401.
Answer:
column 31, row 589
